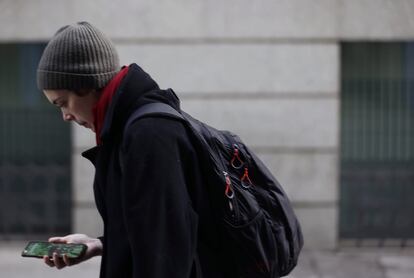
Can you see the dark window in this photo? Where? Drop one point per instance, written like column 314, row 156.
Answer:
column 377, row 142
column 35, row 187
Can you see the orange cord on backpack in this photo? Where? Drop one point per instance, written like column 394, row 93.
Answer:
column 246, row 177
column 236, row 155
column 228, row 191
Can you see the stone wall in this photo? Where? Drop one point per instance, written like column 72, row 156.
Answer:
column 267, row 70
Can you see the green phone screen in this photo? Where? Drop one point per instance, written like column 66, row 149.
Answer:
column 40, row 249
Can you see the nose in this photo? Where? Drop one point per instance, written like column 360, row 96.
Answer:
column 67, row 117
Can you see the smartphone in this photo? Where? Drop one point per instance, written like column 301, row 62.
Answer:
column 38, row 249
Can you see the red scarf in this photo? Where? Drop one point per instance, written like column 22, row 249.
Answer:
column 99, row 110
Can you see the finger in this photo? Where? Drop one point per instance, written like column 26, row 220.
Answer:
column 67, row 261
column 47, row 261
column 59, row 263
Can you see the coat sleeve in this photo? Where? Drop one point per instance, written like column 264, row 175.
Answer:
column 160, row 221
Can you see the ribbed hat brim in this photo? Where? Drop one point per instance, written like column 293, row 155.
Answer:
column 48, row 80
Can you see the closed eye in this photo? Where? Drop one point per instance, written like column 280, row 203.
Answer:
column 59, row 103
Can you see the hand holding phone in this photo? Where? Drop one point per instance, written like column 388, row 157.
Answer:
column 72, row 253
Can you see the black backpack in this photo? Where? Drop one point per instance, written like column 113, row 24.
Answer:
column 262, row 235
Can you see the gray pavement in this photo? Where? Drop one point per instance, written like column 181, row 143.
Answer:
column 349, row 263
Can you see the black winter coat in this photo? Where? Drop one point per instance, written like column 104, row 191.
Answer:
column 156, row 213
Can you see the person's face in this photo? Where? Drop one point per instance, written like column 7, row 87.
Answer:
column 75, row 107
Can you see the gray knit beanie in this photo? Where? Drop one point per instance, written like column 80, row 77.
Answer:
column 78, row 56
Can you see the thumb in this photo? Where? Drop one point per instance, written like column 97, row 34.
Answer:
column 58, row 239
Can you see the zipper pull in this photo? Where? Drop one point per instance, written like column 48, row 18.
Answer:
column 236, row 161
column 229, row 190
column 245, row 179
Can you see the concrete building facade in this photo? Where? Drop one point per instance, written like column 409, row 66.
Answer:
column 267, row 70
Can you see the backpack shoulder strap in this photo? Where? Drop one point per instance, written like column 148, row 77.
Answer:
column 156, row 108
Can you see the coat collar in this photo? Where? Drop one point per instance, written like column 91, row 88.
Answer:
column 134, row 85
column 91, row 154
